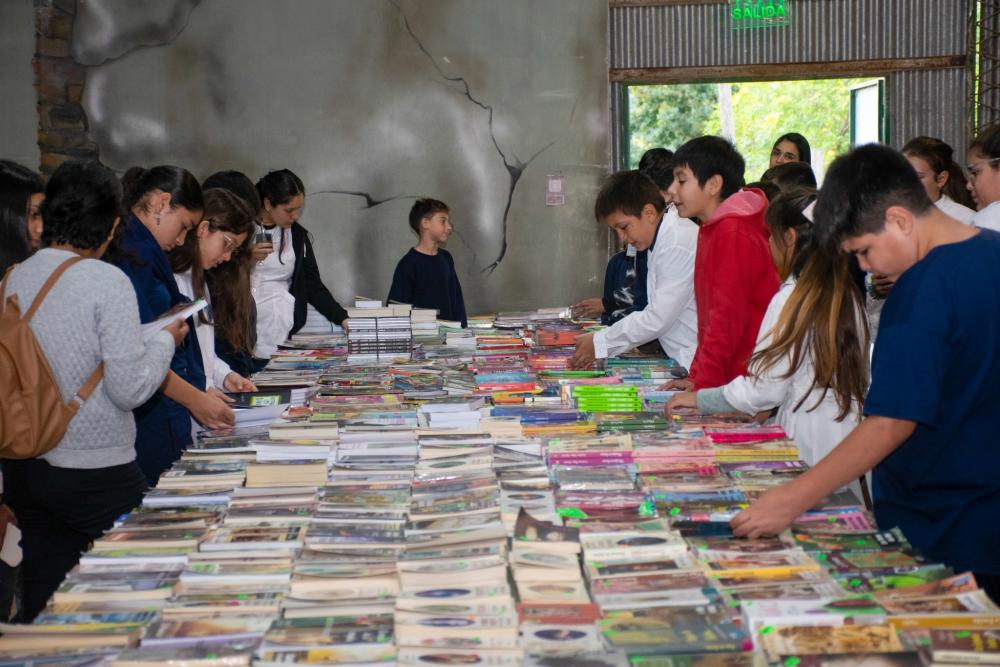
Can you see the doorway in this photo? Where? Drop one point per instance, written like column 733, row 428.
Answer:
column 833, row 114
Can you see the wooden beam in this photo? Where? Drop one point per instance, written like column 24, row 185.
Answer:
column 783, row 71
column 662, row 3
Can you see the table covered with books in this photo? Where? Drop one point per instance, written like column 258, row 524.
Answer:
column 417, row 494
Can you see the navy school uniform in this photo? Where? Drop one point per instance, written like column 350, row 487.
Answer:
column 163, row 426
column 937, row 363
column 429, row 281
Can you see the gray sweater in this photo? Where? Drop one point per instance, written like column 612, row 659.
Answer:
column 91, row 315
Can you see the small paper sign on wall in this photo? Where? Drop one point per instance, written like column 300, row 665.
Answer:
column 555, row 194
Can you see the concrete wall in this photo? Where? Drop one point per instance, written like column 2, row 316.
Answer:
column 18, row 120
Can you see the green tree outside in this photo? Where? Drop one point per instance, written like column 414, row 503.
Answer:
column 762, row 111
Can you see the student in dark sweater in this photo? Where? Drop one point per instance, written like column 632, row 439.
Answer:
column 425, row 276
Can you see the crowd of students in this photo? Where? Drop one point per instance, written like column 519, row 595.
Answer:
column 758, row 289
column 788, row 285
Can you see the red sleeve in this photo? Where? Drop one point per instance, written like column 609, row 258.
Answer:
column 738, row 266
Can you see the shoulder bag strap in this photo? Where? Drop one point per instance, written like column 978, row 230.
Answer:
column 42, row 293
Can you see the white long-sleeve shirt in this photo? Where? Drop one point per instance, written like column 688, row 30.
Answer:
column 216, row 369
column 670, row 314
column 813, row 426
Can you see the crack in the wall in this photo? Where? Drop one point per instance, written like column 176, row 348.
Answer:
column 151, row 37
column 514, row 166
column 370, row 201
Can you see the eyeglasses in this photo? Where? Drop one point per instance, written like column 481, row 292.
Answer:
column 230, row 242
column 976, row 167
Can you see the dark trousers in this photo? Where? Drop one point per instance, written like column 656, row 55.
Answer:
column 60, row 511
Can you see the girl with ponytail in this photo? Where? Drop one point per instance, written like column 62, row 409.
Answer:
column 941, row 176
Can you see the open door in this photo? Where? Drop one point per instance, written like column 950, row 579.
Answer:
column 868, row 113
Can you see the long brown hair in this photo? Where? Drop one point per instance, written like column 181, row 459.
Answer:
column 229, row 283
column 823, row 316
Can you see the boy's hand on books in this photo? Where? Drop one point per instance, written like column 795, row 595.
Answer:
column 684, row 399
column 212, row 412
column 346, row 325
column 178, row 329
column 583, row 358
column 236, row 383
column 770, row 514
column 593, row 307
column 677, row 385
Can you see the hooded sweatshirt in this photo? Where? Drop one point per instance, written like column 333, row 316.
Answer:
column 734, row 280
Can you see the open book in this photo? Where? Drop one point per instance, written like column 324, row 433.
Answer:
column 150, row 328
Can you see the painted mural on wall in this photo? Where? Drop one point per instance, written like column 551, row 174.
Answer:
column 373, row 104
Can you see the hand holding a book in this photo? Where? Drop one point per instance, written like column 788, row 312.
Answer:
column 178, row 329
column 583, row 357
column 212, row 411
column 236, row 383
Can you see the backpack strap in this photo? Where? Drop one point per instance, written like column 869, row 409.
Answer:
column 47, row 285
column 3, row 287
column 84, row 392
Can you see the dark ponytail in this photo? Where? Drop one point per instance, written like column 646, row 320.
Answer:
column 182, row 187
column 280, row 187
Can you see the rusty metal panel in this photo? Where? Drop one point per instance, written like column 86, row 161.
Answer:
column 819, row 31
column 925, row 103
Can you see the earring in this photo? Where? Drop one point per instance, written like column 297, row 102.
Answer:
column 157, row 219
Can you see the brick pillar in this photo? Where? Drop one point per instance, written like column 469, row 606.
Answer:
column 62, row 121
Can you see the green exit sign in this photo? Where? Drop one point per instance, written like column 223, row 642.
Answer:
column 747, row 14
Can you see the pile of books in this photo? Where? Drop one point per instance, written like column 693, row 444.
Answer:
column 378, row 332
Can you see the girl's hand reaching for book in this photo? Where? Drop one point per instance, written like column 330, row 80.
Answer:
column 178, row 329
column 235, row 382
column 212, row 412
column 683, row 399
column 770, row 514
column 677, row 385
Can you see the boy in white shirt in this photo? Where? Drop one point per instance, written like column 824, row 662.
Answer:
column 632, row 205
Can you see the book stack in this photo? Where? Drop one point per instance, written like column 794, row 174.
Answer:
column 607, row 398
column 455, row 602
column 378, row 332
column 424, row 323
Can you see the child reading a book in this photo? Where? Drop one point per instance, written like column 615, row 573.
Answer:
column 930, row 414
column 632, row 205
column 811, row 355
column 425, row 277
column 225, row 230
column 734, row 276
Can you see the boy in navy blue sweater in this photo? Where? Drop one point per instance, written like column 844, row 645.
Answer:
column 425, row 277
column 930, row 416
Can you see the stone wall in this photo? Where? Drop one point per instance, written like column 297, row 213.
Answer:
column 63, row 131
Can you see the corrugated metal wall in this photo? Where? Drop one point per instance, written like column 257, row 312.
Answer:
column 917, row 102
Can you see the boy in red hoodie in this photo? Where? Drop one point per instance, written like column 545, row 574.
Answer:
column 734, row 274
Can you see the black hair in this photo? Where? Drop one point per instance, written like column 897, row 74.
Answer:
column 939, row 156
column 801, row 145
column 236, row 182
column 769, row 189
column 790, row 175
column 82, row 200
column 658, row 164
column 178, row 182
column 279, row 187
column 628, row 192
column 707, row 156
column 17, row 184
column 859, row 187
column 425, row 208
